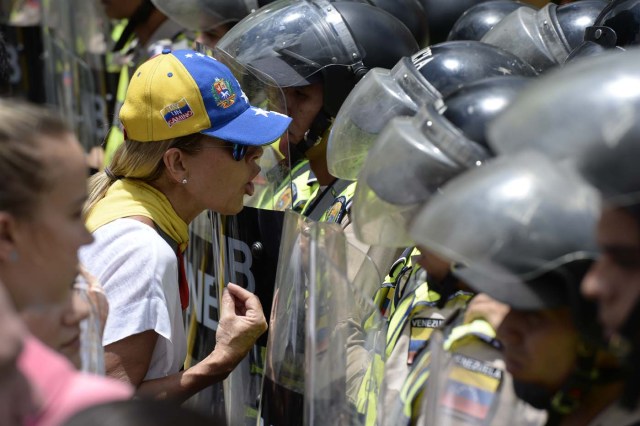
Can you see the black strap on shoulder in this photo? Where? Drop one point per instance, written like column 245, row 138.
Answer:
column 326, row 199
column 172, row 243
column 321, row 123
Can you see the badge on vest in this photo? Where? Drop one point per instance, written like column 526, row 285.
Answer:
column 287, row 198
column 421, row 329
column 336, row 212
column 471, row 388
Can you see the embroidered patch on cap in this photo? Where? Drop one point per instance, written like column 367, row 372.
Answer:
column 223, row 93
column 176, row 112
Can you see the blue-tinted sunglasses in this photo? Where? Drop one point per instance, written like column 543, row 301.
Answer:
column 239, row 151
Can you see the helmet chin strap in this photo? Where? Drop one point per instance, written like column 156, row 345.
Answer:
column 313, row 136
column 444, row 287
column 570, row 395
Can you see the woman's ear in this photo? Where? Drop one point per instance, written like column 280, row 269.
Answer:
column 174, row 162
column 8, row 227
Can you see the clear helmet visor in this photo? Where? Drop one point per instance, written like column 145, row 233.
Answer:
column 275, row 171
column 588, row 115
column 411, row 159
column 202, row 15
column 289, row 41
column 531, row 35
column 380, row 96
column 512, row 219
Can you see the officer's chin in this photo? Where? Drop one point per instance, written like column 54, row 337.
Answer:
column 288, row 148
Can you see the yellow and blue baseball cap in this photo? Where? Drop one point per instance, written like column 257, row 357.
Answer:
column 182, row 92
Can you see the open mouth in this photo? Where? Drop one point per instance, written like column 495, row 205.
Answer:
column 249, row 189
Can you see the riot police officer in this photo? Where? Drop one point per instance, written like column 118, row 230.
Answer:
column 317, row 70
column 527, row 240
column 544, row 38
column 605, row 155
column 410, row 160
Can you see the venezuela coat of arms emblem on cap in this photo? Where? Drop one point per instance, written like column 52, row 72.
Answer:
column 223, row 93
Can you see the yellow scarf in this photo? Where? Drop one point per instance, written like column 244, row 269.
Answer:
column 128, row 197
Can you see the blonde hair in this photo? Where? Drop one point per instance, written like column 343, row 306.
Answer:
column 138, row 160
column 24, row 169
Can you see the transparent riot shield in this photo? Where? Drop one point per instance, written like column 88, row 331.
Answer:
column 469, row 385
column 282, row 399
column 203, row 15
column 205, row 259
column 243, row 249
column 74, row 39
column 22, row 33
column 319, row 356
column 365, row 331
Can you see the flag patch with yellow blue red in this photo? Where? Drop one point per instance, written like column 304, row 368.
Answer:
column 176, row 112
column 471, row 388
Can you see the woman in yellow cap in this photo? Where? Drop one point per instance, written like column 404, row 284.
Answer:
column 191, row 144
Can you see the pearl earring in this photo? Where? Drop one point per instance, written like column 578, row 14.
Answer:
column 184, row 181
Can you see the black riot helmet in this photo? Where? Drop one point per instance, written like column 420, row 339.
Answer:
column 425, row 78
column 411, row 13
column 382, row 39
column 523, row 218
column 442, row 14
column 617, row 25
column 414, row 156
column 473, row 106
column 544, row 38
column 476, row 21
column 292, row 43
column 523, row 229
column 573, row 16
column 448, row 65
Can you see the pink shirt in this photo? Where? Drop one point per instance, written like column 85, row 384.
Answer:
column 59, row 389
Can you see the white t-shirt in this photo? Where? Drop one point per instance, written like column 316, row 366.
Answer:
column 139, row 273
